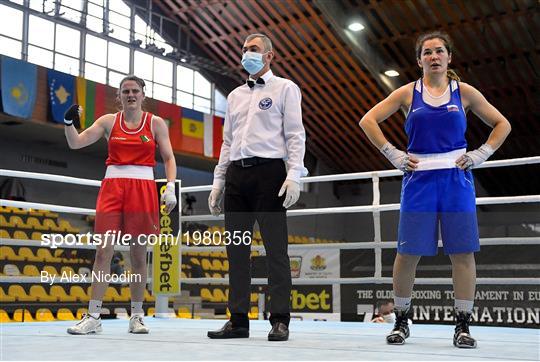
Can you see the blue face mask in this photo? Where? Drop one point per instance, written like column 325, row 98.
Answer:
column 252, row 62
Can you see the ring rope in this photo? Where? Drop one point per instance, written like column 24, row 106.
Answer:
column 324, row 178
column 298, row 212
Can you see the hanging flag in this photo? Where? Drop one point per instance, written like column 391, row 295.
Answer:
column 218, row 135
column 172, row 114
column 91, row 97
column 19, row 80
column 208, row 135
column 213, row 135
column 192, row 131
column 61, row 92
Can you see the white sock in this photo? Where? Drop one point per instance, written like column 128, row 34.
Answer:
column 402, row 303
column 94, row 308
column 464, row 305
column 137, row 309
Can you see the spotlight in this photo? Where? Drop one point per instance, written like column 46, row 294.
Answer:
column 391, row 73
column 356, row 26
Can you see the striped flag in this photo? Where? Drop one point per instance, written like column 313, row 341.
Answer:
column 172, row 114
column 218, row 135
column 213, row 135
column 91, row 97
column 192, row 131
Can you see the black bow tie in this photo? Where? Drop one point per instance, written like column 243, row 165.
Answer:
column 251, row 82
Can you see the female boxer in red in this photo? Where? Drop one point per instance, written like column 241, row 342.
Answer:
column 127, row 200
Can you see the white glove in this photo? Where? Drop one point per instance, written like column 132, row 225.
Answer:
column 475, row 158
column 168, row 198
column 292, row 195
column 401, row 160
column 214, row 201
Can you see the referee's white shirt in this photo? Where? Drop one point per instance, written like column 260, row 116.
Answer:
column 264, row 121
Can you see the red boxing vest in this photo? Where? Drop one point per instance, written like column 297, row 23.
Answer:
column 132, row 146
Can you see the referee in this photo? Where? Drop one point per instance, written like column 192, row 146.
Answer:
column 259, row 170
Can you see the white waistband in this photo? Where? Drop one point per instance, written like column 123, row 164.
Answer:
column 436, row 161
column 130, row 171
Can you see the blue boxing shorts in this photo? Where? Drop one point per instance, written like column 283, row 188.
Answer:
column 430, row 197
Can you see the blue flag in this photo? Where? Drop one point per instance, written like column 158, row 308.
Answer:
column 19, row 81
column 61, row 93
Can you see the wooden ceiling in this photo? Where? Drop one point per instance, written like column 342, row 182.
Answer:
column 496, row 50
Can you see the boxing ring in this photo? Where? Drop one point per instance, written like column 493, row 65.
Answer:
column 185, row 339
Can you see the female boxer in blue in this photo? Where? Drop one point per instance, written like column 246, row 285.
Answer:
column 438, row 186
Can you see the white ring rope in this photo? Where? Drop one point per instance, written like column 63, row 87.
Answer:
column 385, row 173
column 38, row 243
column 50, row 177
column 297, row 212
column 384, row 207
column 49, row 207
column 324, row 178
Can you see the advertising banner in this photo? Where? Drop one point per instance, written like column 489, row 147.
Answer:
column 495, row 305
column 166, row 253
column 320, row 263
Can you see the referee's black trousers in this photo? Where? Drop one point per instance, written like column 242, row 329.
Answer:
column 251, row 194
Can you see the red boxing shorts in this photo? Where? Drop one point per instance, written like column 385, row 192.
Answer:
column 127, row 205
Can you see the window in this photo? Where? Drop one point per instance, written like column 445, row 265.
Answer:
column 115, row 78
column 163, row 71
column 96, row 50
column 40, row 56
column 56, row 44
column 12, row 22
column 41, row 32
column 161, row 43
column 66, row 64
column 149, row 89
column 67, row 40
column 42, row 6
column 10, row 47
column 71, row 10
column 202, row 105
column 118, row 57
column 162, row 93
column 95, row 15
column 202, row 86
column 95, row 73
column 184, row 79
column 140, row 29
column 220, row 103
column 184, row 99
column 143, row 65
column 119, row 20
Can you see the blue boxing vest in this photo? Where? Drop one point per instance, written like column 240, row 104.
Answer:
column 436, row 129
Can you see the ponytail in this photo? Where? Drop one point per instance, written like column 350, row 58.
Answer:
column 452, row 75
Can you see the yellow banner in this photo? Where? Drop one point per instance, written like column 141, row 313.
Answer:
column 166, row 253
column 81, row 99
column 192, row 128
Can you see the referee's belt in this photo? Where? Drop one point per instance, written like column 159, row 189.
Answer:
column 252, row 161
